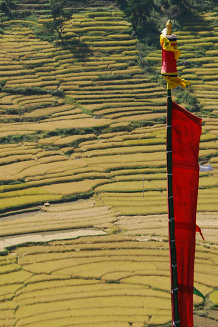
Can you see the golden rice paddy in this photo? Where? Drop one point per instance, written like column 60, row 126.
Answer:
column 120, row 273
column 55, row 149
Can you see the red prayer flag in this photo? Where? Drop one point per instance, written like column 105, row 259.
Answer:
column 186, row 131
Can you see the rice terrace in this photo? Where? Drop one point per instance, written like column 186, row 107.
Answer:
column 83, row 201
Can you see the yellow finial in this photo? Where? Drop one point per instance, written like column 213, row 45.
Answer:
column 169, row 26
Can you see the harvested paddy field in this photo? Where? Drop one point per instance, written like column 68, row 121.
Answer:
column 113, row 270
column 83, row 192
column 112, row 279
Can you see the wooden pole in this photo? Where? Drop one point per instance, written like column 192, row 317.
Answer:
column 172, row 243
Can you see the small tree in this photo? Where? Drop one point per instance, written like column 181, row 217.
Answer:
column 59, row 15
column 139, row 13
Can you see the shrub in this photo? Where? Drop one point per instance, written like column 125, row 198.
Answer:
column 43, row 33
column 33, row 90
column 184, row 96
column 108, row 77
column 2, row 84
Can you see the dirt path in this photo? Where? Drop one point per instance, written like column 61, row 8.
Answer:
column 48, row 236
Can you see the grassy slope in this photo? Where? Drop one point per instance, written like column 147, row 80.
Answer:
column 96, row 140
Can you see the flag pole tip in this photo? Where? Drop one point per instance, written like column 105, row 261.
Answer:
column 169, row 27
column 168, row 30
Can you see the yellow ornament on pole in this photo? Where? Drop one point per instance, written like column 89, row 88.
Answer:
column 170, row 55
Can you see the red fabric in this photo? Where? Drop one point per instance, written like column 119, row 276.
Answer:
column 186, row 131
column 168, row 62
column 199, row 231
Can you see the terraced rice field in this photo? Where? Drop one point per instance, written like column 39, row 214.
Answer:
column 102, row 280
column 83, row 120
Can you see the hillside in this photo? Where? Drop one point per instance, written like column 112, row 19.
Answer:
column 83, row 124
column 82, row 111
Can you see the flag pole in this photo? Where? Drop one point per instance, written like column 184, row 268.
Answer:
column 182, row 298
column 170, row 54
column 172, row 243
